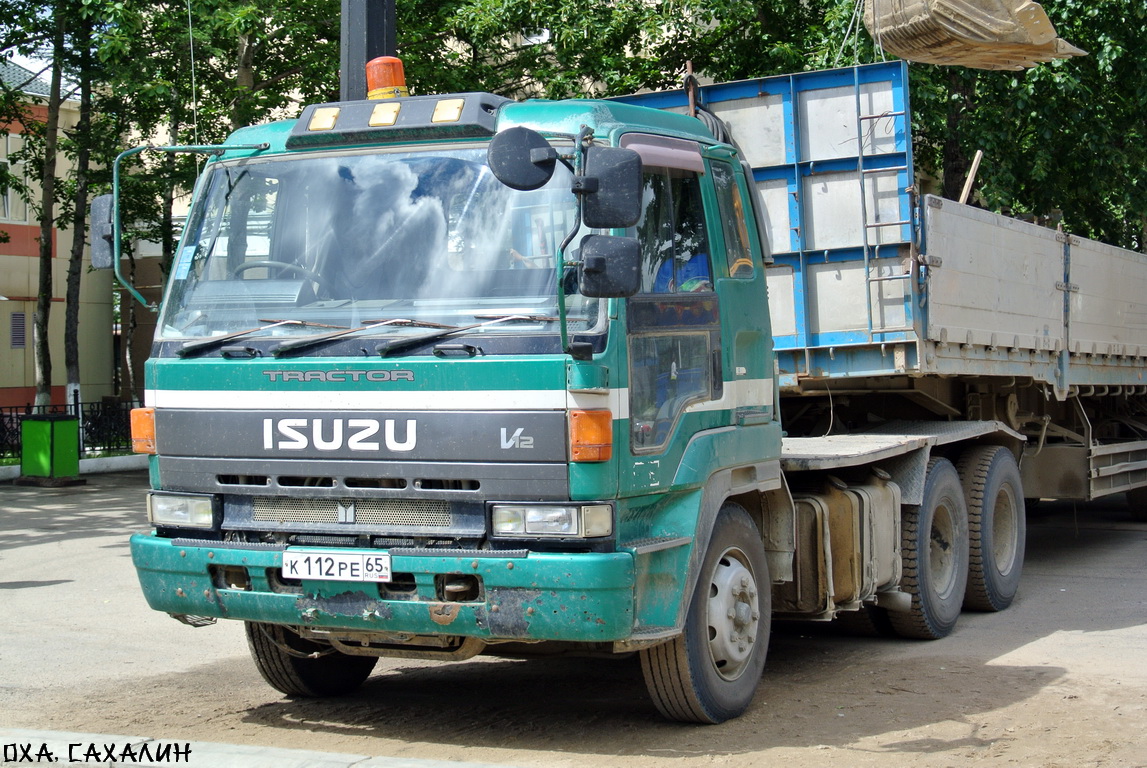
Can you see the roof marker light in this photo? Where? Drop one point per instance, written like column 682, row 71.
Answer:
column 448, row 111
column 323, row 119
column 385, row 114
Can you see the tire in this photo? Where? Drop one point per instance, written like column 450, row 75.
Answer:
column 997, row 526
column 1137, row 504
column 283, row 659
column 934, row 547
column 710, row 672
column 869, row 621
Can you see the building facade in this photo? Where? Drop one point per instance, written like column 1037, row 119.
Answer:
column 19, row 277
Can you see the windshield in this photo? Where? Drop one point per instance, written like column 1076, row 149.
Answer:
column 348, row 240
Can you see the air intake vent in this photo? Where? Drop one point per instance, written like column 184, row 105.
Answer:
column 361, row 511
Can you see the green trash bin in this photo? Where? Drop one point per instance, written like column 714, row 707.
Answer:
column 50, row 446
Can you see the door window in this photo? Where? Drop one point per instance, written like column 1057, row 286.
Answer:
column 674, row 330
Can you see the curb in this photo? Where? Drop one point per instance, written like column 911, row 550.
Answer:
column 67, row 748
column 91, row 466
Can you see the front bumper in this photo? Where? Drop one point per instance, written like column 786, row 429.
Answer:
column 582, row 597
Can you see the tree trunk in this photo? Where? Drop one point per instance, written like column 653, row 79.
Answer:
column 80, row 223
column 244, row 82
column 167, row 225
column 961, row 86
column 43, row 311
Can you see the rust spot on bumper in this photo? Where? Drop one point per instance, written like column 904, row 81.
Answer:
column 443, row 613
column 343, row 604
column 511, row 610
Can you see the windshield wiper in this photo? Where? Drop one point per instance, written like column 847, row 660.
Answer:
column 214, row 342
column 397, row 345
column 322, row 338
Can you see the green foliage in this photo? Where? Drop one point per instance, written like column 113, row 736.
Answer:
column 1066, row 136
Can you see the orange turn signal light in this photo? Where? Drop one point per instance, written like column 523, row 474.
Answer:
column 143, row 430
column 591, row 435
column 385, row 78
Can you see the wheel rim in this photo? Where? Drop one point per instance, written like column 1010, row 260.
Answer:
column 733, row 614
column 942, row 549
column 1004, row 527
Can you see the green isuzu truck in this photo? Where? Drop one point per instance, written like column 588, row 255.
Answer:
column 444, row 375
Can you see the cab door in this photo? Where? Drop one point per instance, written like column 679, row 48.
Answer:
column 673, row 326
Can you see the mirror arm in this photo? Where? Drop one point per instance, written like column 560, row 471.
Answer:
column 583, row 140
column 117, row 227
column 117, row 232
column 562, row 263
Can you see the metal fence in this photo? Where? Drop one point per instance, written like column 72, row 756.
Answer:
column 104, row 425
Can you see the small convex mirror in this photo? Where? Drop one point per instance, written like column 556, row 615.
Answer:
column 613, row 195
column 521, row 158
column 102, row 230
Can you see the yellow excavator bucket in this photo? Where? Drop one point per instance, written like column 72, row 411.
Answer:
column 983, row 34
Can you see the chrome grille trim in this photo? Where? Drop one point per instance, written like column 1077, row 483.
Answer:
column 414, row 512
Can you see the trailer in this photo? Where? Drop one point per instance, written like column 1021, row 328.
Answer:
column 881, row 293
column 444, row 375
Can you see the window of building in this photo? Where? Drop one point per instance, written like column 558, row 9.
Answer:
column 19, row 330
column 12, row 206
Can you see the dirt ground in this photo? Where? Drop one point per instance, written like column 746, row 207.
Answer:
column 1060, row 679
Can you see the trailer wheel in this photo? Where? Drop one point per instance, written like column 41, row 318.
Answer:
column 298, row 667
column 869, row 621
column 934, row 546
column 997, row 526
column 710, row 672
column 1137, row 504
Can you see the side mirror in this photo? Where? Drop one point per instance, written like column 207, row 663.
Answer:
column 611, row 187
column 102, row 229
column 610, row 266
column 521, row 158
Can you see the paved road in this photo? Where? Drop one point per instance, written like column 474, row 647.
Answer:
column 1060, row 679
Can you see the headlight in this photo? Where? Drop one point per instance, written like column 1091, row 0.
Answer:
column 572, row 521
column 181, row 511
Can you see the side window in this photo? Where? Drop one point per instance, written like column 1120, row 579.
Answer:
column 674, row 329
column 733, row 225
column 673, row 235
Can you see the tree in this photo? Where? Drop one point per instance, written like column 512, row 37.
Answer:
column 1066, row 136
column 1069, row 136
column 47, row 220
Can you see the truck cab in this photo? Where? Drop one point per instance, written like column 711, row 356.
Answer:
column 393, row 410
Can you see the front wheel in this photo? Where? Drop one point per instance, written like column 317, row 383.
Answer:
column 934, row 545
column 709, row 673
column 299, row 667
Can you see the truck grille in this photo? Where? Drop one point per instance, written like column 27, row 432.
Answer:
column 365, row 511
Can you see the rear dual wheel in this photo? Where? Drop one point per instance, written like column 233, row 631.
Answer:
column 1137, row 504
column 934, row 548
column 997, row 526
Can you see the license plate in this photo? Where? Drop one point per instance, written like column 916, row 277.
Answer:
column 336, row 566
